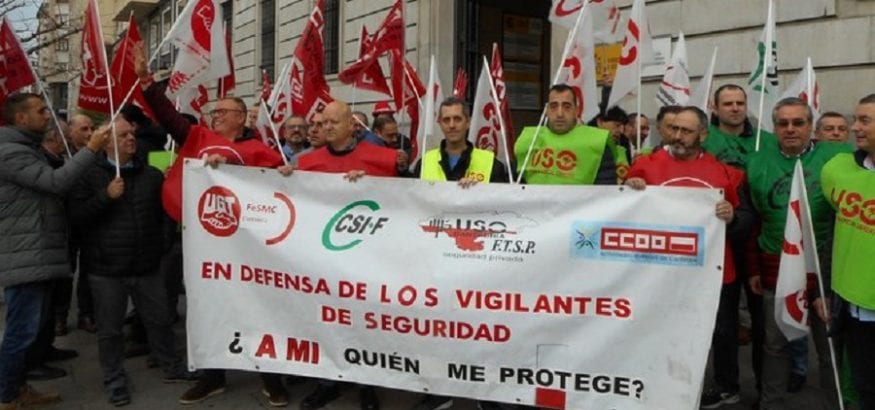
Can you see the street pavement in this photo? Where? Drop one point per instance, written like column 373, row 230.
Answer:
column 82, row 389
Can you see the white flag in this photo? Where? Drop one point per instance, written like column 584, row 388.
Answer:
column 605, row 16
column 487, row 130
column 202, row 54
column 280, row 100
column 766, row 65
column 192, row 100
column 637, row 50
column 265, row 127
column 798, row 260
column 675, row 87
column 805, row 88
column 701, row 96
column 578, row 69
column 431, row 101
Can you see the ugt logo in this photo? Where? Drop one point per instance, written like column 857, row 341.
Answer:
column 219, row 211
column 352, row 222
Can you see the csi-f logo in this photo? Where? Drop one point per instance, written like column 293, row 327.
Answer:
column 219, row 211
column 355, row 220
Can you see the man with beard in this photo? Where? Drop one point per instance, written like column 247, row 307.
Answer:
column 683, row 162
column 295, row 135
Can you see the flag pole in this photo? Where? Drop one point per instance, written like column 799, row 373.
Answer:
column 42, row 89
column 832, row 352
column 500, row 117
column 565, row 53
column 767, row 55
column 638, row 113
column 118, row 172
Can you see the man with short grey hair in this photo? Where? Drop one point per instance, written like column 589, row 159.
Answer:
column 831, row 126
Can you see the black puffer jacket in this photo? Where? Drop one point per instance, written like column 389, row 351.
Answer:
column 120, row 237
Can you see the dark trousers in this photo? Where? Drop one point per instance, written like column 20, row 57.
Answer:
column 111, row 300
column 860, row 342
column 28, row 307
column 757, row 330
column 62, row 294
column 725, row 341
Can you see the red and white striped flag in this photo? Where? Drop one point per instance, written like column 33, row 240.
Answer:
column 798, row 261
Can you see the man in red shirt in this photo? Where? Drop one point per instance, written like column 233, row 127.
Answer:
column 684, row 163
column 343, row 154
column 228, row 140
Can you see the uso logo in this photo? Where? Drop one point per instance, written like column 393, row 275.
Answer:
column 219, row 211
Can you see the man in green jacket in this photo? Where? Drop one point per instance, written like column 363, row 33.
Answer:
column 770, row 172
column 848, row 182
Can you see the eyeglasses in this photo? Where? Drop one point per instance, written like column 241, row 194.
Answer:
column 219, row 112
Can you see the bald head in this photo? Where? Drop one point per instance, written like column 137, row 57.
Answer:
column 81, row 128
column 338, row 124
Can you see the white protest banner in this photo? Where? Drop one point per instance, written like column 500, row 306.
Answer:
column 563, row 297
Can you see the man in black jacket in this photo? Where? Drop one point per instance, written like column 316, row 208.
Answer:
column 120, row 219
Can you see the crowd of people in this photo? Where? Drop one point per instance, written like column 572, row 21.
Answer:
column 109, row 210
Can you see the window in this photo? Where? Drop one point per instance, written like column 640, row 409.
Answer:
column 268, row 36
column 331, row 36
column 62, row 45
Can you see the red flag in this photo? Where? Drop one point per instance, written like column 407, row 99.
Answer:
column 15, row 70
column 94, row 82
column 390, row 35
column 265, row 86
column 460, row 86
column 407, row 89
column 122, row 70
column 310, row 91
column 496, row 69
column 369, row 74
column 228, row 82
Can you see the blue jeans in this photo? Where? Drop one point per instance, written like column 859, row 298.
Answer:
column 27, row 308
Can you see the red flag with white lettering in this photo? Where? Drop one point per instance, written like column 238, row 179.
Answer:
column 798, row 261
column 122, row 70
column 94, row 93
column 15, row 70
column 310, row 91
column 496, row 69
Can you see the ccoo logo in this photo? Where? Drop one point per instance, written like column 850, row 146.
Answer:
column 219, row 211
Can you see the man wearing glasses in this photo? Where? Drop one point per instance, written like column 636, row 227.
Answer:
column 684, row 162
column 226, row 141
column 295, row 135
